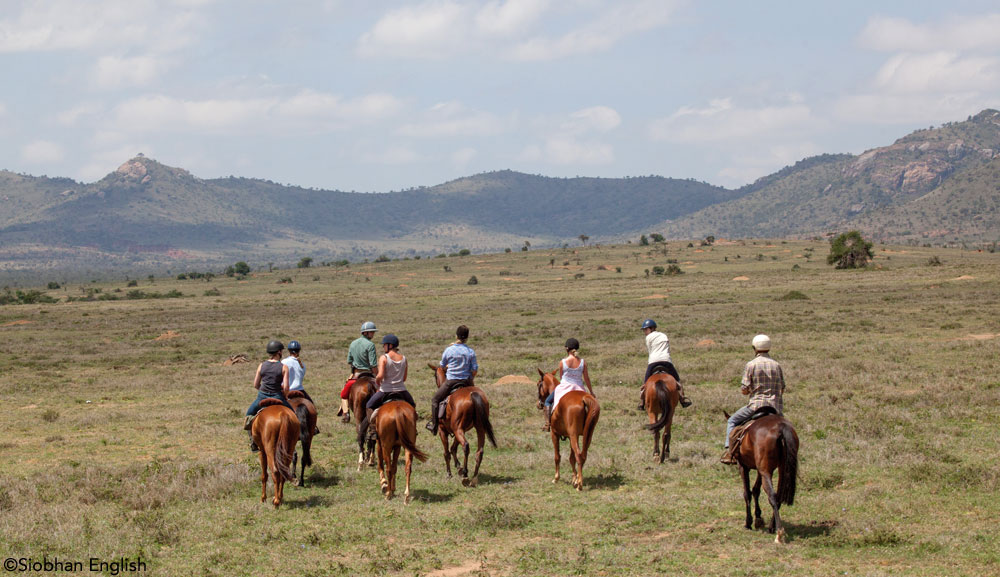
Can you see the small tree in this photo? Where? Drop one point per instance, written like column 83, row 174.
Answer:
column 656, row 237
column 241, row 268
column 304, row 262
column 643, row 241
column 850, row 250
column 583, row 239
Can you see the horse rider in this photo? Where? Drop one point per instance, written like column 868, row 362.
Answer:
column 391, row 378
column 361, row 356
column 573, row 376
column 296, row 371
column 658, row 346
column 764, row 381
column 460, row 365
column 271, row 382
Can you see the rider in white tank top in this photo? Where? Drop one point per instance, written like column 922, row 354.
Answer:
column 572, row 378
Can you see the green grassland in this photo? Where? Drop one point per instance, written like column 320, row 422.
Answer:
column 122, row 427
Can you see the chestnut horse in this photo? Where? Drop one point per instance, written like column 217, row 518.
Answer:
column 467, row 407
column 275, row 430
column 660, row 398
column 576, row 415
column 305, row 411
column 396, row 426
column 545, row 388
column 361, row 391
column 769, row 443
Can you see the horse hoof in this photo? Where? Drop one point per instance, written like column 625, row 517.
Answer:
column 781, row 538
column 407, row 499
column 758, row 524
column 466, row 482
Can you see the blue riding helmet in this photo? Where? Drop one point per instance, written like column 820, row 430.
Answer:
column 390, row 339
column 649, row 324
column 294, row 346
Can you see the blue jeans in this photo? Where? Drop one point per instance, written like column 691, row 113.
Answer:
column 255, row 406
column 550, row 399
column 738, row 418
column 379, row 398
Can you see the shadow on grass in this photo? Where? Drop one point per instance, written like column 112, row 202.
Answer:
column 811, row 530
column 308, row 502
column 316, row 479
column 487, row 479
column 424, row 495
column 604, row 481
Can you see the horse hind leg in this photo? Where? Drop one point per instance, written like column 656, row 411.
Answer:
column 665, row 453
column 408, row 468
column 576, row 461
column 263, row 476
column 461, row 440
column 555, row 444
column 747, row 495
column 279, row 488
column 775, row 526
column 758, row 521
column 447, row 454
column 393, row 465
column 480, row 447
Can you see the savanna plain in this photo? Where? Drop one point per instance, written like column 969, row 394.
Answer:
column 122, row 427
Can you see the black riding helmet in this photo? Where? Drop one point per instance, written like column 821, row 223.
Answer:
column 390, row 339
column 274, row 347
column 572, row 344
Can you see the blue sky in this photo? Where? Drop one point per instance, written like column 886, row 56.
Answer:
column 387, row 95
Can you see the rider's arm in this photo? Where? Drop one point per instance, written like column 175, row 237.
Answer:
column 256, row 379
column 284, row 379
column 586, row 379
column 381, row 370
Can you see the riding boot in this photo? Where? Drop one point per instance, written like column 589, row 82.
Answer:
column 548, row 419
column 727, row 457
column 248, row 422
column 345, row 411
column 371, row 423
column 432, row 425
column 253, row 445
column 642, row 398
column 685, row 402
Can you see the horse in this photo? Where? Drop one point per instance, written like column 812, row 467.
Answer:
column 769, row 443
column 545, row 388
column 396, row 426
column 275, row 430
column 466, row 408
column 661, row 397
column 576, row 415
column 305, row 411
column 361, row 391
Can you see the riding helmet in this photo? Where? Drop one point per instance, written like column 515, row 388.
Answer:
column 274, row 347
column 390, row 339
column 649, row 324
column 762, row 343
column 368, row 327
column 294, row 346
column 572, row 344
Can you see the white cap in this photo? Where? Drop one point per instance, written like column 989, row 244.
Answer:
column 762, row 343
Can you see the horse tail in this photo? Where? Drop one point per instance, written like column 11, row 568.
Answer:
column 666, row 411
column 789, row 466
column 482, row 416
column 282, row 457
column 593, row 409
column 305, row 433
column 406, row 440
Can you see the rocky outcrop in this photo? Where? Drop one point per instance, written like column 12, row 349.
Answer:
column 133, row 170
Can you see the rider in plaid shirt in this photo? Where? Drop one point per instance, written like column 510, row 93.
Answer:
column 764, row 381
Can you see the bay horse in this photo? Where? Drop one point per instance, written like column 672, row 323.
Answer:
column 545, row 388
column 575, row 416
column 396, row 427
column 275, row 430
column 466, row 408
column 660, row 398
column 305, row 411
column 361, row 391
column 769, row 443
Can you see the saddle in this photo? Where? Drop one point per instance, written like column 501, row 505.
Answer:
column 268, row 403
column 295, row 394
column 739, row 431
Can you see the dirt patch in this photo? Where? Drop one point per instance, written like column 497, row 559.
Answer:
column 965, row 277
column 741, row 278
column 167, row 336
column 15, row 323
column 462, row 569
column 655, row 296
column 514, row 380
column 982, row 337
column 403, row 286
column 705, row 343
column 235, row 359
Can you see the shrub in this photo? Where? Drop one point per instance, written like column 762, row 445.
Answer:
column 53, row 285
column 674, row 270
column 382, row 258
column 464, row 252
column 305, row 262
column 849, row 250
column 213, row 292
column 659, row 270
column 473, row 280
column 132, row 283
column 793, row 296
column 578, row 275
column 934, row 261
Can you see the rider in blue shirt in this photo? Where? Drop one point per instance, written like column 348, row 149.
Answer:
column 460, row 365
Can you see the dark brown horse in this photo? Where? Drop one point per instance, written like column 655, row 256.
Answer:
column 575, row 416
column 661, row 398
column 305, row 410
column 769, row 443
column 466, row 408
column 275, row 430
column 361, row 391
column 396, row 426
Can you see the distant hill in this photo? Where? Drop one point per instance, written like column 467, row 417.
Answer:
column 934, row 185
column 146, row 214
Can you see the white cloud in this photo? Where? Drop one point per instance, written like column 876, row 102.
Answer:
column 566, row 150
column 596, row 118
column 937, row 72
column 72, row 116
column 510, row 17
column 394, row 155
column 448, row 119
column 979, row 32
column 48, row 25
column 721, row 121
column 431, row 29
column 42, row 152
column 116, row 72
column 463, row 156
